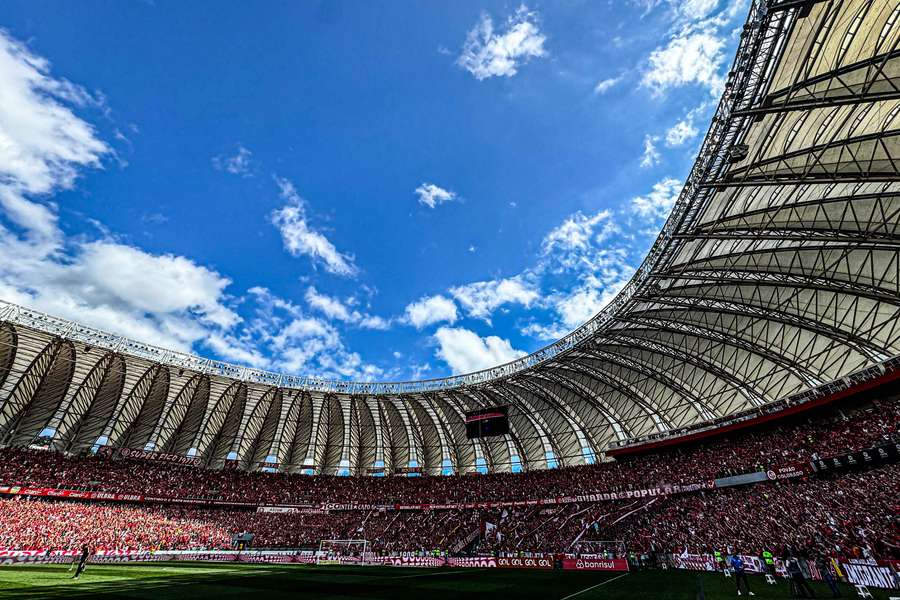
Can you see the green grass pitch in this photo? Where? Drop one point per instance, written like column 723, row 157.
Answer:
column 200, row 581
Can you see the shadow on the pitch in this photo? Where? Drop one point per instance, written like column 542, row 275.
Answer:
column 309, row 582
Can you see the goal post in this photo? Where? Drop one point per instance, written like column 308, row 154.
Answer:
column 358, row 548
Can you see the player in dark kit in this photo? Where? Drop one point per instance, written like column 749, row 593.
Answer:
column 82, row 562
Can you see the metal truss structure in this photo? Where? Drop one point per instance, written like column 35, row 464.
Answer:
column 775, row 277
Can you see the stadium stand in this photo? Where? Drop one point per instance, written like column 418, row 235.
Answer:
column 822, row 435
column 851, row 514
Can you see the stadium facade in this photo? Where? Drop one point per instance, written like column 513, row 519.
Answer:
column 775, row 279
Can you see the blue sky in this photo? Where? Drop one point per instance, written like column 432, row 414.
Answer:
column 353, row 190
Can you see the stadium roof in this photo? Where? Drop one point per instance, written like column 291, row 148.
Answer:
column 776, row 275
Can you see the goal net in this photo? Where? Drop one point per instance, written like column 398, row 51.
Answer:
column 599, row 548
column 349, row 548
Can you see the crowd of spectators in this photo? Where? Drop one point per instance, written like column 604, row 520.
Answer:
column 832, row 432
column 855, row 513
column 852, row 515
column 41, row 525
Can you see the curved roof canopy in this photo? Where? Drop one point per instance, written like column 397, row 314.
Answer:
column 776, row 274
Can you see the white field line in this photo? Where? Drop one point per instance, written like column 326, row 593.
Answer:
column 594, row 586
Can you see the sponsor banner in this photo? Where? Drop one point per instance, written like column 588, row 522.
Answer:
column 12, row 561
column 149, row 455
column 200, row 501
column 273, row 557
column 476, row 562
column 307, row 559
column 408, row 470
column 63, row 559
column 411, row 561
column 4, row 552
column 525, row 563
column 357, row 506
column 884, row 453
column 871, row 574
column 753, row 564
column 265, row 558
column 694, row 562
column 73, row 552
column 742, row 479
column 789, row 471
column 662, row 490
column 595, row 564
column 205, row 556
column 19, row 490
column 291, row 510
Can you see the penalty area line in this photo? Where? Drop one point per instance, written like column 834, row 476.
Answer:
column 593, row 586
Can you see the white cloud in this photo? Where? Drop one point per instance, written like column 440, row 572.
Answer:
column 680, row 133
column 542, row 331
column 305, row 343
column 306, row 328
column 658, row 203
column 161, row 299
column 488, row 53
column 301, row 239
column 154, row 218
column 114, row 273
column 588, row 259
column 419, row 371
column 690, row 57
column 240, row 163
column 585, row 302
column 682, row 11
column 335, row 309
column 651, row 156
column 694, row 53
column 330, row 306
column 600, row 275
column 234, row 349
column 430, row 310
column 584, row 251
column 646, row 5
column 481, row 298
column 685, row 130
column 431, row 195
column 604, row 85
column 302, row 344
column 374, row 322
column 576, row 235
column 465, row 351
column 694, row 9
column 42, row 142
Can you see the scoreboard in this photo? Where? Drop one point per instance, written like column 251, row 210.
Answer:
column 487, row 422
